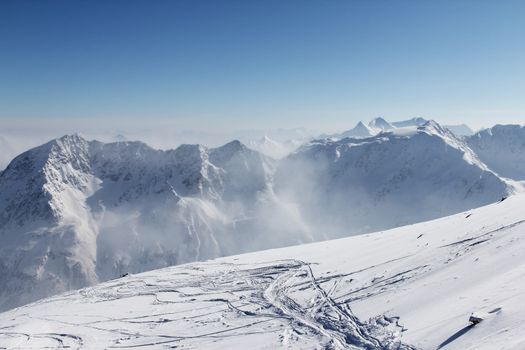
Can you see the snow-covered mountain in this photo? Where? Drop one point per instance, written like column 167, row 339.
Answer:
column 374, row 127
column 414, row 287
column 395, row 178
column 380, row 124
column 75, row 212
column 360, row 130
column 502, row 148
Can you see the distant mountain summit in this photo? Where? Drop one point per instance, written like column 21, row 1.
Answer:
column 380, row 124
column 360, row 130
column 374, row 127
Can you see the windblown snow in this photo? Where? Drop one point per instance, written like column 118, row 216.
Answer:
column 413, row 287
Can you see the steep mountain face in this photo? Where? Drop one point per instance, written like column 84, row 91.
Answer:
column 394, row 178
column 75, row 212
column 502, row 148
column 48, row 237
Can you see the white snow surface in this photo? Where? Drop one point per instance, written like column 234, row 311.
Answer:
column 412, row 287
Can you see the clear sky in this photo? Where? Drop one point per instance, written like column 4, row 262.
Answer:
column 253, row 63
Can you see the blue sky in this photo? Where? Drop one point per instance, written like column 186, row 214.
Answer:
column 214, row 64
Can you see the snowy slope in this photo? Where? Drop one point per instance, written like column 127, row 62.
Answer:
column 502, row 148
column 408, row 175
column 413, row 287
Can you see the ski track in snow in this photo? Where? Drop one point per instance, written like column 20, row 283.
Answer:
column 282, row 299
column 409, row 288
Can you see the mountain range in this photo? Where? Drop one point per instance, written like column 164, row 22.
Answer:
column 76, row 212
column 379, row 124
